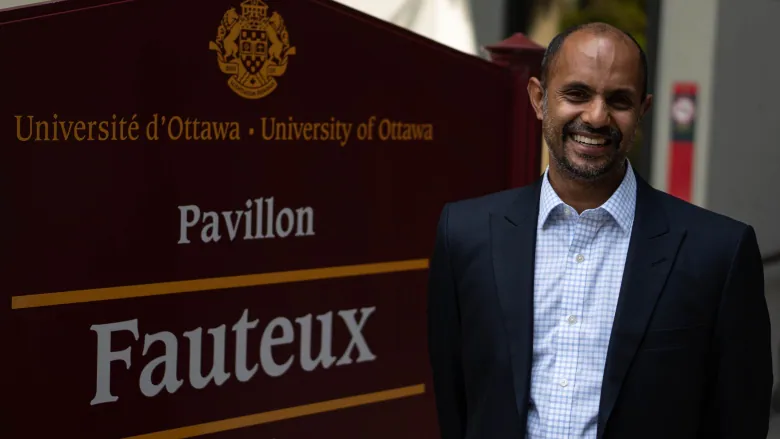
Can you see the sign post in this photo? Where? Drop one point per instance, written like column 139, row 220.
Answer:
column 682, row 140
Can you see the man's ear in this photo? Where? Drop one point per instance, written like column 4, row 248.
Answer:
column 536, row 95
column 646, row 105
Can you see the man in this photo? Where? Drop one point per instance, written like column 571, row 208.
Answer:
column 588, row 304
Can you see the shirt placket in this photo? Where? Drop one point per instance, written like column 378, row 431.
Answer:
column 564, row 354
column 573, row 304
column 587, row 277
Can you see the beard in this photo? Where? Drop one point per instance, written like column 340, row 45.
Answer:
column 589, row 168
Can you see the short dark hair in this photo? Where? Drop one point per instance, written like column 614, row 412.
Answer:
column 555, row 45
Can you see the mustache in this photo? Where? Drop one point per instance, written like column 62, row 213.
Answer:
column 613, row 134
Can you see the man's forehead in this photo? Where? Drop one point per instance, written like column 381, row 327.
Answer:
column 587, row 45
column 605, row 52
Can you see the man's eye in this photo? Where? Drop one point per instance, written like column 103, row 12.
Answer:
column 621, row 103
column 576, row 95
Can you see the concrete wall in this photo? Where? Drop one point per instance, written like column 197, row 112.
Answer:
column 743, row 179
column 489, row 17
column 686, row 52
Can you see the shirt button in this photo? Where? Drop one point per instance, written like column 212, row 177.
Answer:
column 572, row 319
column 564, row 382
column 580, row 258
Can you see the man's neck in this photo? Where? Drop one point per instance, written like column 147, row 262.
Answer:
column 584, row 195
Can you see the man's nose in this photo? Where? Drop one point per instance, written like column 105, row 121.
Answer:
column 597, row 114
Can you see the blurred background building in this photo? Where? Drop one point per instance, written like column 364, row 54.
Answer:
column 723, row 48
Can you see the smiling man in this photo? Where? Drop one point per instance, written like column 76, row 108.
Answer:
column 588, row 304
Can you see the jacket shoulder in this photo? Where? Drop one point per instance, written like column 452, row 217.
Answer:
column 483, row 205
column 469, row 219
column 715, row 236
column 697, row 218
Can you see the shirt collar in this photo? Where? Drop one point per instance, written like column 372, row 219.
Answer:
column 621, row 205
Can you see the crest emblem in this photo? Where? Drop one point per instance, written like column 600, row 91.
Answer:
column 253, row 48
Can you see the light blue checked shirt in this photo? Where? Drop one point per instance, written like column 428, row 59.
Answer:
column 578, row 272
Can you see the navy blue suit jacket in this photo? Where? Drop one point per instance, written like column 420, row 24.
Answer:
column 689, row 355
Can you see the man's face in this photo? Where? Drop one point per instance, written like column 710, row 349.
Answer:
column 591, row 108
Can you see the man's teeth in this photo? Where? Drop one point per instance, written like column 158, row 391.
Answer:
column 588, row 140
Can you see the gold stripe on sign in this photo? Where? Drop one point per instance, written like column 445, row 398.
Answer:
column 215, row 283
column 286, row 413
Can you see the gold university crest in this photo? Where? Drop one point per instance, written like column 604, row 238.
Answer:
column 253, row 47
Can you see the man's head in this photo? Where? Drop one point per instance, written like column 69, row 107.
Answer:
column 590, row 97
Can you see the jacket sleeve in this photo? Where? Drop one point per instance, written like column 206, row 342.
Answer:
column 742, row 348
column 444, row 340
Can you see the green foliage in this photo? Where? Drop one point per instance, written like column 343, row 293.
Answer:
column 628, row 15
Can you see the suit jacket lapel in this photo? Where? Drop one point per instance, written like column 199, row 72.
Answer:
column 513, row 240
column 651, row 254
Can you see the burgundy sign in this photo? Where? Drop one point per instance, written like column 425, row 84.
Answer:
column 218, row 216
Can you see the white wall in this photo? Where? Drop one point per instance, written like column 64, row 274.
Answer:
column 449, row 22
column 14, row 3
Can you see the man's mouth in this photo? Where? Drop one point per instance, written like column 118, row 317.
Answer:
column 590, row 141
